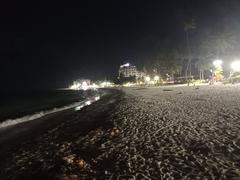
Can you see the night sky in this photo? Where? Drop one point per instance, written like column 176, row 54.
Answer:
column 50, row 45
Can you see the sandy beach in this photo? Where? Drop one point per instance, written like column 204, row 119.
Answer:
column 136, row 133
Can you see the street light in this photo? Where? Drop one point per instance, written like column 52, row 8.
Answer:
column 217, row 74
column 156, row 78
column 235, row 65
column 217, row 62
column 147, row 78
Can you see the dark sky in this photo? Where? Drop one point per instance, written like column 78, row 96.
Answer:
column 49, row 45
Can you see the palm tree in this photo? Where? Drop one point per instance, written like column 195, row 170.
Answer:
column 213, row 47
column 216, row 46
column 188, row 25
column 169, row 62
column 203, row 65
column 222, row 43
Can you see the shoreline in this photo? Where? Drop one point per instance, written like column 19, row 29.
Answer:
column 34, row 104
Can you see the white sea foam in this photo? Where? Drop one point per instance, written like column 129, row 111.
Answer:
column 76, row 105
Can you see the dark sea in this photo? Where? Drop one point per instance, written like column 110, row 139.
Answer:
column 33, row 104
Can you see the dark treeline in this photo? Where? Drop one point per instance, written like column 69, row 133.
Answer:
column 204, row 36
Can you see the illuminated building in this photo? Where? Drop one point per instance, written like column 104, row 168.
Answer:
column 128, row 70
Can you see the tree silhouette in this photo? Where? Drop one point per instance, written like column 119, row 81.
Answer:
column 189, row 25
column 168, row 62
column 222, row 43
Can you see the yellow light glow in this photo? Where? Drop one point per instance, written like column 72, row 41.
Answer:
column 147, row 79
column 156, row 78
column 128, row 84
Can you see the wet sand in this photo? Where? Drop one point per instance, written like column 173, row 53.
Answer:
column 16, row 140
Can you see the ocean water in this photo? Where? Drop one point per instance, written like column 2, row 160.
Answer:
column 16, row 107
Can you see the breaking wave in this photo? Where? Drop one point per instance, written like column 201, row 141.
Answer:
column 77, row 105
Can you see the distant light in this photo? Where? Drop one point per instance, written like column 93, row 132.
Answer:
column 95, row 86
column 217, row 62
column 235, row 65
column 84, row 85
column 147, row 78
column 106, row 84
column 75, row 86
column 156, row 78
column 128, row 84
column 125, row 65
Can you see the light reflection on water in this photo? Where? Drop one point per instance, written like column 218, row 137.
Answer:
column 97, row 98
column 78, row 108
column 87, row 103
